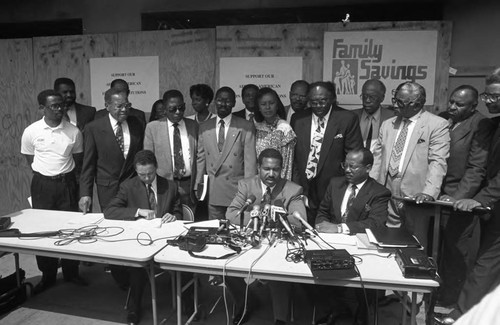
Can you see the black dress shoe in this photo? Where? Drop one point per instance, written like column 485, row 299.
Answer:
column 133, row 318
column 241, row 318
column 78, row 280
column 446, row 319
column 279, row 322
column 42, row 286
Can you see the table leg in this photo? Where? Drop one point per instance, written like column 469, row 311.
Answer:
column 179, row 296
column 153, row 292
column 413, row 318
column 405, row 304
column 435, row 235
column 18, row 276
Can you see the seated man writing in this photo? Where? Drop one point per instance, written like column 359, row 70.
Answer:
column 268, row 187
column 148, row 196
column 351, row 204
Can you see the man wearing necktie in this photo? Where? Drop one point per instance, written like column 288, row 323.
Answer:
column 226, row 152
column 146, row 196
column 410, row 158
column 372, row 114
column 110, row 144
column 174, row 140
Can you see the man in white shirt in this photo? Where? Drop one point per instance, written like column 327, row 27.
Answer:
column 51, row 146
column 174, row 141
column 248, row 96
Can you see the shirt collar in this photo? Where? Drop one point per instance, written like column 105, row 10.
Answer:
column 60, row 126
column 264, row 187
column 227, row 120
column 171, row 124
column 376, row 115
column 360, row 185
column 153, row 185
column 113, row 121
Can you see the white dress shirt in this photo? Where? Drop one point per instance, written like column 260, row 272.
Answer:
column 186, row 154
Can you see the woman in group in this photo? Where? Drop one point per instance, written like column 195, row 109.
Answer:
column 272, row 129
column 157, row 111
column 201, row 97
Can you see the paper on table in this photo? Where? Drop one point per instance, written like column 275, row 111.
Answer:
column 338, row 239
column 86, row 219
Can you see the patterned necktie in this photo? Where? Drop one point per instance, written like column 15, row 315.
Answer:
column 119, row 136
column 180, row 167
column 151, row 198
column 397, row 150
column 220, row 142
column 312, row 162
column 267, row 196
column 350, row 200
column 370, row 135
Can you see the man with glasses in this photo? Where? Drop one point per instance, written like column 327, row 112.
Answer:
column 372, row 114
column 485, row 274
column 325, row 134
column 51, row 147
column 410, row 157
column 248, row 94
column 122, row 85
column 110, row 144
column 226, row 152
column 174, row 140
column 298, row 98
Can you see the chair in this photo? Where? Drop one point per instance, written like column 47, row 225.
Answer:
column 187, row 213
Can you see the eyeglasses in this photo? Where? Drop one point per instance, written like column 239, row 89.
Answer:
column 224, row 101
column 346, row 166
column 174, row 109
column 401, row 104
column 56, row 107
column 492, row 98
column 318, row 103
column 371, row 98
column 124, row 106
column 297, row 96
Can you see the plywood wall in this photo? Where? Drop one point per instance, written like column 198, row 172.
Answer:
column 18, row 109
column 186, row 57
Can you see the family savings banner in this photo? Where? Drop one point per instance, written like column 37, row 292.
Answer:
column 351, row 58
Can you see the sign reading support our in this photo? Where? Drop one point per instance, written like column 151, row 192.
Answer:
column 351, row 58
column 277, row 73
column 141, row 73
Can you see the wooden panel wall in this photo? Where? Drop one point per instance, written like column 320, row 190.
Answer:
column 68, row 56
column 305, row 40
column 443, row 50
column 186, row 57
column 18, row 109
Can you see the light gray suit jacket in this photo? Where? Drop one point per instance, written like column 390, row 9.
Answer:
column 236, row 161
column 424, row 165
column 156, row 139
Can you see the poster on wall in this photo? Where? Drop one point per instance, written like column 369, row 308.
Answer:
column 351, row 58
column 277, row 73
column 140, row 72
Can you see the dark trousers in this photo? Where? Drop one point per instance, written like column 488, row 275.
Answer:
column 184, row 187
column 55, row 194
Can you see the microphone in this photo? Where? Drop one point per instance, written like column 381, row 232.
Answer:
column 297, row 216
column 264, row 215
column 287, row 227
column 250, row 200
column 255, row 217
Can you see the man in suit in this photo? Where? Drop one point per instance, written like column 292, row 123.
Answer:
column 351, row 204
column 110, row 144
column 267, row 186
column 122, row 85
column 226, row 152
column 78, row 114
column 470, row 133
column 484, row 275
column 410, row 158
column 174, row 141
column 325, row 134
column 248, row 95
column 372, row 114
column 355, row 201
column 298, row 98
column 149, row 196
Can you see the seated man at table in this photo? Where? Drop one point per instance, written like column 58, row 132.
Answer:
column 355, row 201
column 267, row 187
column 148, row 196
column 351, row 204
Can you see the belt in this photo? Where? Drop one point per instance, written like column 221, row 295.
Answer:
column 182, row 179
column 59, row 177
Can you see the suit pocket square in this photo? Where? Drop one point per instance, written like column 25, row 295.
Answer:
column 338, row 136
column 420, row 141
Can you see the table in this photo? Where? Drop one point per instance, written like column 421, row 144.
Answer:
column 126, row 253
column 377, row 272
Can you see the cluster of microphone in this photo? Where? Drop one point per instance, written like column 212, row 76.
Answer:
column 272, row 218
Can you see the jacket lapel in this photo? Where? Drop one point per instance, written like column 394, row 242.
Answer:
column 167, row 154
column 161, row 188
column 415, row 136
column 231, row 136
column 461, row 130
column 360, row 201
column 337, row 199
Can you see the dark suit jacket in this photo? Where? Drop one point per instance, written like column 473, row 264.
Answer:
column 342, row 135
column 289, row 193
column 490, row 194
column 103, row 160
column 133, row 195
column 237, row 160
column 369, row 209
column 140, row 115
column 156, row 139
column 469, row 146
column 240, row 113
column 84, row 114
column 385, row 114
